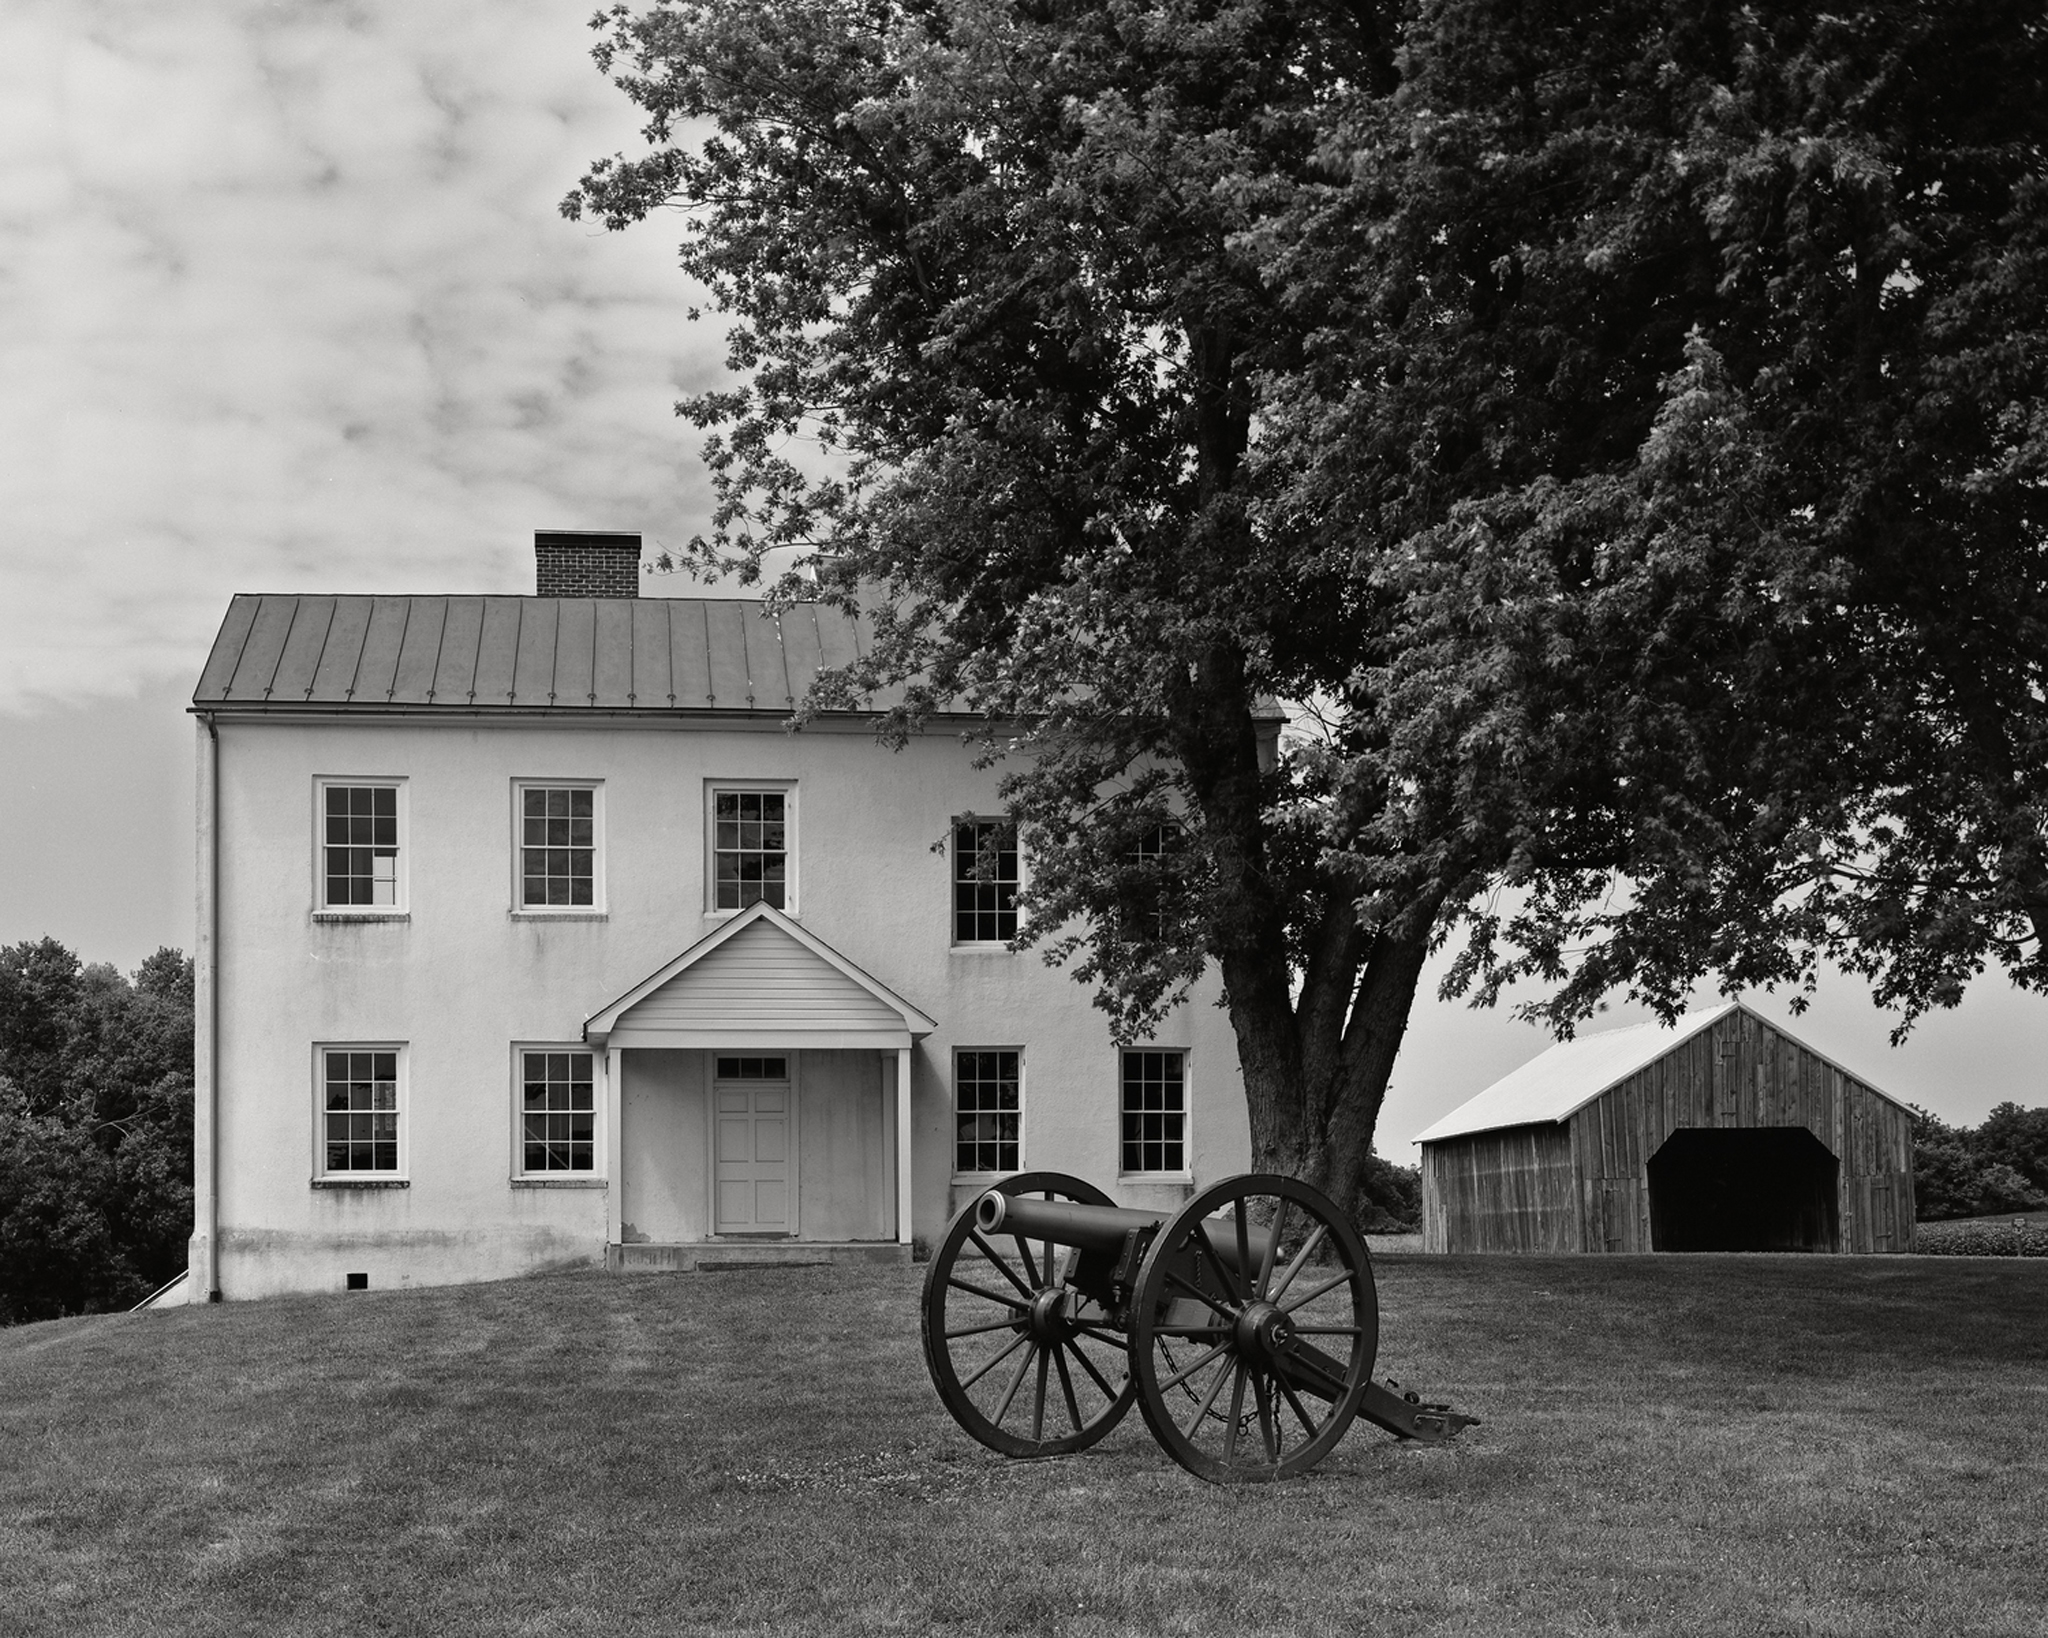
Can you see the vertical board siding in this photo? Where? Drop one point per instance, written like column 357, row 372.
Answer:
column 1583, row 1183
column 1500, row 1191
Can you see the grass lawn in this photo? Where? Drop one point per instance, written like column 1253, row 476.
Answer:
column 1683, row 1445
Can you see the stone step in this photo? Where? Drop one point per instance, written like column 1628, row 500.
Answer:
column 710, row 1256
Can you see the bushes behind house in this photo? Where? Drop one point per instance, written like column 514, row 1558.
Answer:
column 95, row 1130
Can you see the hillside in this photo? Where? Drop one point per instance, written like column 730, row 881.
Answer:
column 1686, row 1446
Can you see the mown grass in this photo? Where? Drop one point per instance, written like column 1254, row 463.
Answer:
column 1699, row 1445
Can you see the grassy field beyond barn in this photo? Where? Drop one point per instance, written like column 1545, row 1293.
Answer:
column 1704, row 1445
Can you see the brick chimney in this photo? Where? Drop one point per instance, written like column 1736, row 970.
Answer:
column 585, row 563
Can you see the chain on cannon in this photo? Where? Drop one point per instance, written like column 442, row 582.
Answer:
column 1244, row 1325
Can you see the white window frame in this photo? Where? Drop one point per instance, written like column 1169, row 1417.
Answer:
column 953, row 1126
column 595, row 1178
column 1187, row 1168
column 354, row 1179
column 791, row 837
column 401, row 907
column 953, row 938
column 597, row 908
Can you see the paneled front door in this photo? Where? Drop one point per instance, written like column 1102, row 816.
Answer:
column 754, row 1142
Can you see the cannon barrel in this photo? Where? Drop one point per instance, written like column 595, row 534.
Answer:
column 1098, row 1229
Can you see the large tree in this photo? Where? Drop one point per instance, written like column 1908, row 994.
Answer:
column 1808, row 563
column 1181, row 356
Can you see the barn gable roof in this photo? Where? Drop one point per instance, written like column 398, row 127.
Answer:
column 1557, row 1084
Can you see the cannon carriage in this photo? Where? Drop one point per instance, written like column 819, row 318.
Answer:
column 1243, row 1326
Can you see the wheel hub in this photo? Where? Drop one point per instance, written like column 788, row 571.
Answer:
column 1048, row 1321
column 1264, row 1331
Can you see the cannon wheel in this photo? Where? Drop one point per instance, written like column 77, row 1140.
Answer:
column 1250, row 1373
column 1014, row 1370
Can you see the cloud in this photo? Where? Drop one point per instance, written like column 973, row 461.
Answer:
column 285, row 304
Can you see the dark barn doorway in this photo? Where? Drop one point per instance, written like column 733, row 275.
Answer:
column 1769, row 1188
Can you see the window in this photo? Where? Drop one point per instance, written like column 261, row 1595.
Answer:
column 984, row 881
column 988, row 1114
column 559, row 849
column 751, row 833
column 557, row 1113
column 753, row 1069
column 359, row 1111
column 1154, row 1106
column 361, row 853
column 1148, row 856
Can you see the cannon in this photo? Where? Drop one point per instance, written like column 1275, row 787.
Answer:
column 1244, row 1325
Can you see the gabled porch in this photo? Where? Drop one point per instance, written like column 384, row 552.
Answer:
column 758, row 1098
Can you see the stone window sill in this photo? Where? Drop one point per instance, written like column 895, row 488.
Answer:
column 559, row 915
column 362, row 1182
column 559, row 1183
column 362, row 915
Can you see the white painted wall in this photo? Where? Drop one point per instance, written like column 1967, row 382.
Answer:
column 463, row 978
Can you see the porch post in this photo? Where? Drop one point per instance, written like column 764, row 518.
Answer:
column 615, row 1182
column 903, row 1146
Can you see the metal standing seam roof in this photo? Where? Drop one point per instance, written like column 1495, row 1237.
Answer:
column 1557, row 1084
column 608, row 654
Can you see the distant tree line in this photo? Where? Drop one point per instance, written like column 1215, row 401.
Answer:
column 95, row 1130
column 1978, row 1171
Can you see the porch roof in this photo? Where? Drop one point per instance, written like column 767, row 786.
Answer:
column 761, row 980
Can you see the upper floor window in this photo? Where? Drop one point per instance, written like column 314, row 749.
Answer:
column 752, row 847
column 360, row 1110
column 984, row 881
column 1149, row 855
column 362, row 836
column 1154, row 1111
column 560, row 850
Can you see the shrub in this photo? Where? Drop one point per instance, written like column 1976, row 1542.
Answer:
column 1981, row 1239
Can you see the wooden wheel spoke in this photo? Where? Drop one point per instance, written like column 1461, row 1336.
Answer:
column 991, row 1363
column 1038, row 1408
column 1308, row 1425
column 1235, row 1421
column 1208, row 1400
column 1059, row 1359
column 987, row 1295
column 1329, row 1330
column 1038, row 1282
column 978, row 1330
column 1330, row 1284
column 1268, row 1434
column 1174, row 1277
column 1272, row 1249
column 1114, row 1339
column 1088, row 1365
column 1223, row 1274
column 1301, row 1257
column 1002, row 1265
column 1016, row 1382
column 1179, row 1377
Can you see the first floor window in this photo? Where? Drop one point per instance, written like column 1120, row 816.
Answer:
column 359, row 846
column 359, row 1109
column 557, row 1113
column 557, row 847
column 984, row 881
column 749, row 849
column 1155, row 1119
column 988, row 1112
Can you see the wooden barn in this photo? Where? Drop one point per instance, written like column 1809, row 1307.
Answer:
column 1721, row 1133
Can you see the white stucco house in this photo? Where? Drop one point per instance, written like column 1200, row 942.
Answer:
column 529, row 936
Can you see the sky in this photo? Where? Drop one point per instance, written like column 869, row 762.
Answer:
column 286, row 305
